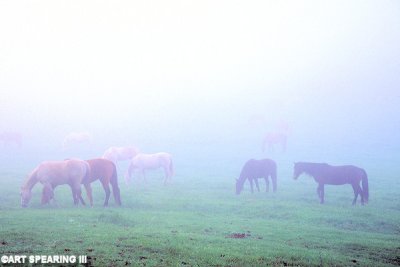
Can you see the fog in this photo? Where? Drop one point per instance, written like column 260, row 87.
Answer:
column 202, row 80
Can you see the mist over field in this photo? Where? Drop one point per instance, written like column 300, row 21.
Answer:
column 162, row 73
column 204, row 81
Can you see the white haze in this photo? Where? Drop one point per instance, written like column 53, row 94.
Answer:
column 163, row 74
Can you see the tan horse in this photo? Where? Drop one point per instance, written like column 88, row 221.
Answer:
column 144, row 162
column 54, row 173
column 105, row 171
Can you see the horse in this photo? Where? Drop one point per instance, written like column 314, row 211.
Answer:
column 254, row 169
column 54, row 173
column 335, row 175
column 76, row 138
column 120, row 153
column 142, row 162
column 273, row 138
column 105, row 171
column 10, row 138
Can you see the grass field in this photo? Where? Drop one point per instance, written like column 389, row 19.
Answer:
column 197, row 223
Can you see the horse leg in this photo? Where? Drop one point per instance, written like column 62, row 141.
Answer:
column 77, row 194
column 355, row 194
column 266, row 184
column 322, row 193
column 257, row 185
column 319, row 193
column 357, row 190
column 76, row 201
column 106, row 187
column 88, row 189
column 361, row 194
column 251, row 185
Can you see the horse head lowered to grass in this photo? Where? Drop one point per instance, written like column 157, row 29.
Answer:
column 254, row 169
column 143, row 162
column 335, row 175
column 53, row 173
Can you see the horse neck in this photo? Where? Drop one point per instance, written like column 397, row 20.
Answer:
column 31, row 181
column 311, row 169
column 242, row 178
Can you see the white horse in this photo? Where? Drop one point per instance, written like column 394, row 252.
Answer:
column 76, row 138
column 144, row 162
column 120, row 153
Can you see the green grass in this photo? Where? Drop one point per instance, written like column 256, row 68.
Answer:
column 191, row 223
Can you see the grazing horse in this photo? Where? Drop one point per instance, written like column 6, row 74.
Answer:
column 120, row 153
column 335, row 175
column 272, row 138
column 10, row 138
column 105, row 171
column 254, row 169
column 76, row 138
column 144, row 162
column 54, row 173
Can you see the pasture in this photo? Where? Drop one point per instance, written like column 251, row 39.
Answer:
column 199, row 221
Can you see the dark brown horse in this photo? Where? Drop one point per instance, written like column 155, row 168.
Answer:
column 254, row 169
column 105, row 171
column 335, row 175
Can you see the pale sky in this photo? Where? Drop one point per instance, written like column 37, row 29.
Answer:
column 133, row 61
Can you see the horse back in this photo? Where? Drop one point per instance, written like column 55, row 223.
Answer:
column 346, row 174
column 258, row 168
column 62, row 172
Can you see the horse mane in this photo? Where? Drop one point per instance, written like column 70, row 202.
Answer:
column 30, row 180
column 312, row 168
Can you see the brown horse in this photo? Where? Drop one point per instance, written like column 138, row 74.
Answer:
column 105, row 171
column 54, row 173
column 335, row 175
column 273, row 138
column 254, row 169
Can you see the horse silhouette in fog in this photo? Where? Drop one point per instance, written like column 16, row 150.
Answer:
column 54, row 173
column 143, row 162
column 11, row 138
column 76, row 138
column 254, row 169
column 116, row 154
column 335, row 175
column 274, row 138
column 105, row 171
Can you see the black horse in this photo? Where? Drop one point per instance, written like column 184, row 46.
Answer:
column 254, row 169
column 335, row 175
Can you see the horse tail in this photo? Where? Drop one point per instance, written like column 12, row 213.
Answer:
column 86, row 177
column 364, row 182
column 115, row 187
